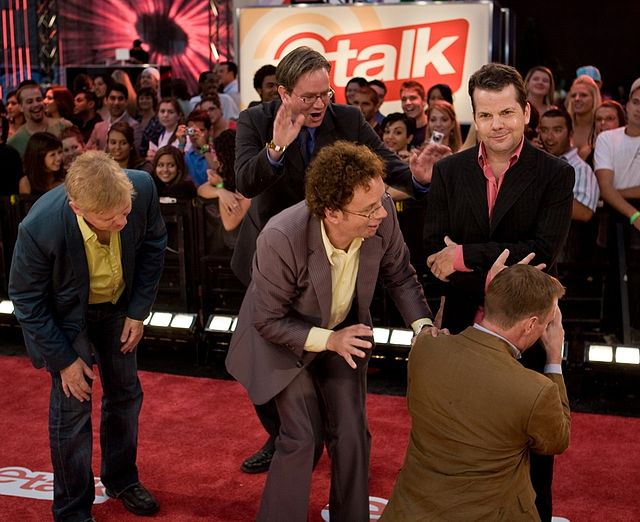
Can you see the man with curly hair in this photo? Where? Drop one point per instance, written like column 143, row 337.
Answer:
column 304, row 334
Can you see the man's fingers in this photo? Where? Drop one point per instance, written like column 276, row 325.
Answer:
column 448, row 242
column 527, row 259
column 350, row 361
column 502, row 258
column 65, row 389
column 541, row 266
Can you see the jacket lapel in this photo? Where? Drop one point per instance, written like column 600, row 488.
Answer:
column 78, row 256
column 370, row 255
column 516, row 181
column 475, row 188
column 319, row 269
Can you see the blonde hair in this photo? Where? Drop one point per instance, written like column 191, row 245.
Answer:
column 595, row 93
column 96, row 183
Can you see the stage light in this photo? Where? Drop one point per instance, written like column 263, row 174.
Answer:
column 183, row 321
column 221, row 323
column 6, row 307
column 162, row 319
column 381, row 335
column 599, row 353
column 401, row 337
column 627, row 355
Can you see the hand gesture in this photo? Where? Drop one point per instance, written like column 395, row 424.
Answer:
column 441, row 263
column 286, row 126
column 74, row 380
column 422, row 161
column 346, row 342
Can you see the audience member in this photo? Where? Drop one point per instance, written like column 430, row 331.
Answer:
column 32, row 106
column 10, row 161
column 315, row 269
column 122, row 77
column 228, row 78
column 73, row 145
column 353, row 86
column 264, row 82
column 14, row 113
column 540, row 88
column 208, row 83
column 439, row 91
column 211, row 105
column 85, row 115
column 380, row 87
column 609, row 115
column 582, row 101
column 476, row 413
column 147, row 117
column 503, row 193
column 101, row 85
column 366, row 99
column 82, row 82
column 171, row 118
column 42, row 164
column 117, row 104
column 150, row 77
column 120, row 146
column 413, row 100
column 84, row 276
column 58, row 104
column 170, row 174
column 442, row 118
column 200, row 156
column 397, row 133
column 592, row 72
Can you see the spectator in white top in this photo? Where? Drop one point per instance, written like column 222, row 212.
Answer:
column 228, row 78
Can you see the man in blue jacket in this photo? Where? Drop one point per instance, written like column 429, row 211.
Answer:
column 84, row 275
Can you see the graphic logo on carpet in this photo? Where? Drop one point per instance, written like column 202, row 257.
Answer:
column 22, row 482
column 376, row 507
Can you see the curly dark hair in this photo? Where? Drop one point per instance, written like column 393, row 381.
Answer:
column 336, row 172
column 225, row 146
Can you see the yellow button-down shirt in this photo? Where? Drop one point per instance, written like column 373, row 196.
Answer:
column 106, row 281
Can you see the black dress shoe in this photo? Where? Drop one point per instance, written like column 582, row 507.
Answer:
column 137, row 499
column 258, row 462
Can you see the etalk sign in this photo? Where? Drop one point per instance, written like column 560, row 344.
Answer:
column 428, row 53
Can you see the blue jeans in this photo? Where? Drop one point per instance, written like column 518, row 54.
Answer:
column 70, row 432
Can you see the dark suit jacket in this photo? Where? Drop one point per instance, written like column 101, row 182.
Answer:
column 290, row 292
column 476, row 414
column 532, row 214
column 49, row 280
column 274, row 189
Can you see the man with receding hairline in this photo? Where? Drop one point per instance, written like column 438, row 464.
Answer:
column 84, row 275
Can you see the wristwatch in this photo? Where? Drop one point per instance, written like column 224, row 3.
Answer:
column 271, row 145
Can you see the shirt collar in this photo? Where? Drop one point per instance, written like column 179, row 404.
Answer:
column 482, row 154
column 85, row 229
column 332, row 251
column 516, row 353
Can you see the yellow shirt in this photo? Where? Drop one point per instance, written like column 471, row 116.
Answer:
column 106, row 282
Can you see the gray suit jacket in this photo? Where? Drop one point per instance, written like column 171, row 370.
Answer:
column 274, row 189
column 476, row 413
column 290, row 292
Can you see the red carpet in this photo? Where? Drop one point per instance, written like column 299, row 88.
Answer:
column 195, row 432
